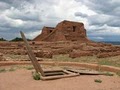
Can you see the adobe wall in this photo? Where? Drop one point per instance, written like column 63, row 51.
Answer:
column 72, row 31
column 45, row 32
column 64, row 31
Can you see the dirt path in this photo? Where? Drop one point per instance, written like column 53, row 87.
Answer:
column 22, row 80
column 85, row 65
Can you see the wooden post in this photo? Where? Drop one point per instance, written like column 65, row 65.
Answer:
column 32, row 56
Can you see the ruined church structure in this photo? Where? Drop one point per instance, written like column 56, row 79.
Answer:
column 64, row 31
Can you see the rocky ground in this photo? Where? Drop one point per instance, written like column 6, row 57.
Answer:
column 97, row 53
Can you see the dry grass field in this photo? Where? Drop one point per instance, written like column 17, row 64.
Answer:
column 112, row 61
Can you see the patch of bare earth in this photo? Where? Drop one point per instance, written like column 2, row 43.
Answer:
column 21, row 79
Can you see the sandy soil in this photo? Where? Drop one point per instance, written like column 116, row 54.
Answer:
column 21, row 79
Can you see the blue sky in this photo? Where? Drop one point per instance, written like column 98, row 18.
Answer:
column 101, row 17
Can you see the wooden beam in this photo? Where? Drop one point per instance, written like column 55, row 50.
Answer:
column 83, row 72
column 54, row 73
column 59, row 76
column 49, row 71
column 32, row 57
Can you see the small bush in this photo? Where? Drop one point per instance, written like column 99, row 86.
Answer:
column 98, row 81
column 36, row 75
column 118, row 73
column 109, row 74
column 29, row 68
column 2, row 70
column 11, row 69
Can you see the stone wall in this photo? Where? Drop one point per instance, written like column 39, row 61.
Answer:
column 1, row 57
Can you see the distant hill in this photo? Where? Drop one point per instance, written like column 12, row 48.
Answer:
column 18, row 39
column 112, row 42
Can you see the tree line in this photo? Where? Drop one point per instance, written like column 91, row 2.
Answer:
column 15, row 39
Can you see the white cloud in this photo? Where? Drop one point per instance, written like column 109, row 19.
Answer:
column 32, row 35
column 101, row 18
column 17, row 23
column 104, row 30
column 97, row 38
column 3, row 6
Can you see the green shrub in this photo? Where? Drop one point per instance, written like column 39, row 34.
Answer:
column 2, row 70
column 36, row 75
column 11, row 69
column 98, row 81
column 29, row 68
column 118, row 73
column 109, row 74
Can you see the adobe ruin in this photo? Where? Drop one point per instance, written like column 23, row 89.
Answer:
column 64, row 31
column 74, row 43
